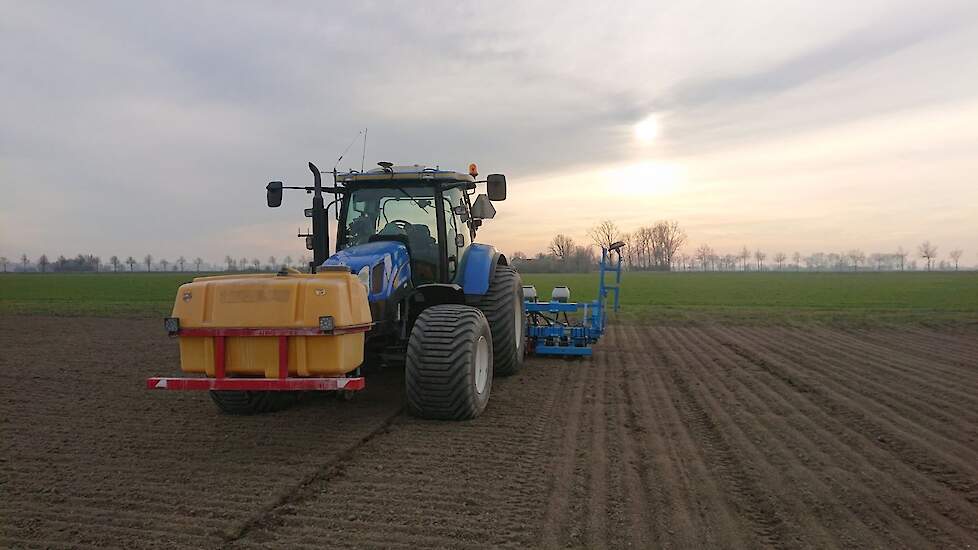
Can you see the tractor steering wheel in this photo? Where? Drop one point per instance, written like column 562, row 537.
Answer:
column 401, row 225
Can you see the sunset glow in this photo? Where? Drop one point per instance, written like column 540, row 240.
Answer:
column 647, row 130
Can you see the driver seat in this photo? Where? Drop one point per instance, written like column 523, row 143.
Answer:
column 423, row 246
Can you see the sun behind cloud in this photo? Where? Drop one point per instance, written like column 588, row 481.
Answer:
column 647, row 129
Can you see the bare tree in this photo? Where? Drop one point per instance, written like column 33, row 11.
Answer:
column 131, row 262
column 796, row 258
column 243, row 264
column 256, row 263
column 197, row 261
column 667, row 239
column 902, row 254
column 780, row 257
column 857, row 256
column 230, row 261
column 3, row 261
column 744, row 256
column 271, row 263
column 604, row 234
column 684, row 261
column 148, row 260
column 287, row 261
column 24, row 260
column 877, row 260
column 837, row 261
column 561, row 246
column 180, row 261
column 759, row 256
column 644, row 237
column 730, row 262
column 114, row 260
column 629, row 252
column 703, row 254
column 43, row 262
column 955, row 256
column 928, row 252
column 164, row 262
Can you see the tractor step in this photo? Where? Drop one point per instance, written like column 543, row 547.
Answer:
column 338, row 383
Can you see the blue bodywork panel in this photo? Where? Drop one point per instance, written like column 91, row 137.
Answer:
column 476, row 268
column 391, row 254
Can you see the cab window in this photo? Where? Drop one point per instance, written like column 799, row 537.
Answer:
column 407, row 212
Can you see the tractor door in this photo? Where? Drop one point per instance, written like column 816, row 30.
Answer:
column 456, row 227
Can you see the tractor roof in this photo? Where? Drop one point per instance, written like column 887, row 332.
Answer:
column 415, row 172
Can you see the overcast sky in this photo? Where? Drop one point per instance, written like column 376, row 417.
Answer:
column 130, row 128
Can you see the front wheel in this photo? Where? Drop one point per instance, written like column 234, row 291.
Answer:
column 448, row 368
column 504, row 308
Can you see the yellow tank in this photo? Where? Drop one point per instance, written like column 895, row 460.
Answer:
column 295, row 300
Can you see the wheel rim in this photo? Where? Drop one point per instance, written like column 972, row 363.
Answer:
column 518, row 325
column 481, row 364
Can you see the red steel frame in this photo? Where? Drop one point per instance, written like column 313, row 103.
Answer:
column 282, row 383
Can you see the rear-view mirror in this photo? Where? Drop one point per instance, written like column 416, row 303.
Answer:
column 496, row 187
column 274, row 189
column 482, row 209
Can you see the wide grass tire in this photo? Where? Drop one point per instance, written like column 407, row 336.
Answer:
column 442, row 373
column 252, row 402
column 505, row 310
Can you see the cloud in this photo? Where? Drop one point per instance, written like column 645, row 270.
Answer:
column 132, row 128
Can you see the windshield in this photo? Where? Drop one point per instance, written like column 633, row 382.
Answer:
column 408, row 212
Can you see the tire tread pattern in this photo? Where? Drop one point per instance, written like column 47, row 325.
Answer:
column 440, row 358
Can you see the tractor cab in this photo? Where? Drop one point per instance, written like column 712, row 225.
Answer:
column 426, row 210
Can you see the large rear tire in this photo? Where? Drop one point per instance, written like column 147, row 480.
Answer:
column 252, row 402
column 448, row 368
column 505, row 310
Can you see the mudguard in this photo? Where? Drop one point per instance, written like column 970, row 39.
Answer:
column 477, row 268
column 389, row 258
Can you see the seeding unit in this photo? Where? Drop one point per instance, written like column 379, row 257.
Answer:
column 550, row 329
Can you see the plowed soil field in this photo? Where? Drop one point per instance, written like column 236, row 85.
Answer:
column 671, row 436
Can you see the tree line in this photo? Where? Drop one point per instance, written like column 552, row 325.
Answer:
column 662, row 247
column 648, row 248
column 657, row 247
column 94, row 264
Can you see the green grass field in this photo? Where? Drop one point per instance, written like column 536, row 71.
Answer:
column 784, row 297
column 652, row 297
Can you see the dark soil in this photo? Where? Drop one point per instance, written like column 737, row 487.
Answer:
column 697, row 436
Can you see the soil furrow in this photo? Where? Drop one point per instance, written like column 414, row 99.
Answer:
column 831, row 492
column 862, row 433
column 909, row 438
column 911, row 400
column 749, row 496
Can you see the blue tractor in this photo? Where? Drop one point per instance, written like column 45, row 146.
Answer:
column 448, row 308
